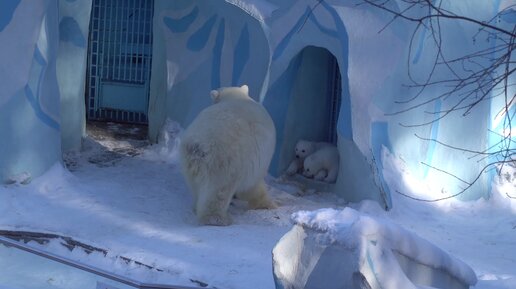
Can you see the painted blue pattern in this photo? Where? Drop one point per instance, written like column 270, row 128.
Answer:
column 182, row 24
column 421, row 43
column 6, row 12
column 420, row 46
column 217, row 55
column 380, row 138
column 242, row 54
column 509, row 16
column 39, row 65
column 34, row 103
column 199, row 38
column 491, row 138
column 344, row 126
column 70, row 31
column 298, row 26
column 286, row 40
column 433, row 135
column 38, row 56
column 323, row 29
column 278, row 98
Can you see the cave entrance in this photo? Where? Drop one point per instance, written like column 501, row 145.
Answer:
column 314, row 102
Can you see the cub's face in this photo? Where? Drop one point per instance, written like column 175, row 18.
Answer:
column 309, row 168
column 303, row 149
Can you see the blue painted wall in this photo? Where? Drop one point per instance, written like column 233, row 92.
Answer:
column 7, row 11
column 298, row 95
column 283, row 57
column 29, row 102
column 74, row 21
column 200, row 46
column 466, row 131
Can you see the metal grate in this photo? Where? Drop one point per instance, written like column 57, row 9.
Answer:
column 119, row 60
column 335, row 87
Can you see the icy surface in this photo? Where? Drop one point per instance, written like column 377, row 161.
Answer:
column 129, row 198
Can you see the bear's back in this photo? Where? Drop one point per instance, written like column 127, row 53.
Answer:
column 238, row 135
column 326, row 155
column 234, row 113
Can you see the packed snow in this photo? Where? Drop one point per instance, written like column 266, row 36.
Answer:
column 350, row 228
column 129, row 198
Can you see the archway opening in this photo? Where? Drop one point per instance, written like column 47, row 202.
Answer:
column 313, row 103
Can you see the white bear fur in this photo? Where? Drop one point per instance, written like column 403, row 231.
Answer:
column 226, row 152
column 303, row 149
column 322, row 164
column 321, row 175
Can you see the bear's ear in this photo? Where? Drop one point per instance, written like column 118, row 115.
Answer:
column 215, row 95
column 245, row 89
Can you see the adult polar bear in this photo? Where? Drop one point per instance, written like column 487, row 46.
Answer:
column 226, row 151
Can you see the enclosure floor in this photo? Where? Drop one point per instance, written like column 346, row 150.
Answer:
column 123, row 196
column 99, row 130
column 108, row 143
column 128, row 198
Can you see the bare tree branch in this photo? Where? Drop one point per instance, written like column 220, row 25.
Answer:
column 462, row 82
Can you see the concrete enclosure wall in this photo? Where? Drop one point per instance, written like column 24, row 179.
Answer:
column 74, row 21
column 200, row 46
column 43, row 56
column 30, row 123
column 280, row 48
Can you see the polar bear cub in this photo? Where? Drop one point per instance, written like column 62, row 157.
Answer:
column 303, row 149
column 226, row 152
column 322, row 165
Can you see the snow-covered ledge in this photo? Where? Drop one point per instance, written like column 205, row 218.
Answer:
column 334, row 249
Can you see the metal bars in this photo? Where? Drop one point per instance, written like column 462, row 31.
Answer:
column 120, row 53
column 335, row 87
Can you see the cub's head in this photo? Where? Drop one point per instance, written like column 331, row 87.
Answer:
column 230, row 93
column 310, row 167
column 304, row 148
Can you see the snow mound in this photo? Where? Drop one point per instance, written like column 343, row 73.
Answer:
column 168, row 143
column 249, row 8
column 21, row 178
column 350, row 228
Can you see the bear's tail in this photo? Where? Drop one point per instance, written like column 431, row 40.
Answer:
column 194, row 160
column 195, row 152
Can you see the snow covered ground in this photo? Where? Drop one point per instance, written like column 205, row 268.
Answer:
column 129, row 198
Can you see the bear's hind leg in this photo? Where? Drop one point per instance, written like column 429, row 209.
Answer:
column 257, row 197
column 212, row 207
column 194, row 189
